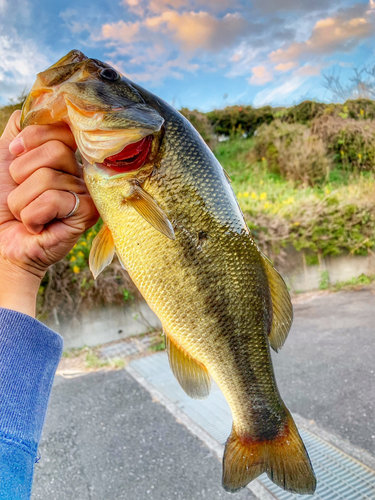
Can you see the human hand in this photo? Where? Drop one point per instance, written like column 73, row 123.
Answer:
column 37, row 171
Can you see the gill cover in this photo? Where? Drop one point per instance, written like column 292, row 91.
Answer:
column 105, row 115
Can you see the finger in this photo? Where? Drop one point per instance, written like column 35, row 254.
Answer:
column 53, row 154
column 36, row 135
column 11, row 131
column 52, row 205
column 44, row 179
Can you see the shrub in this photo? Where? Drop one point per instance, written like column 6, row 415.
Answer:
column 303, row 112
column 292, row 151
column 352, row 142
column 238, row 120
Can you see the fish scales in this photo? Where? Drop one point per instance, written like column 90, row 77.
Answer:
column 176, row 226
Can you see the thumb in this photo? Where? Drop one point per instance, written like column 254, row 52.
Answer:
column 11, row 131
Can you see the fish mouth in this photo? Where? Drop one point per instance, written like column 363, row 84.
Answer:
column 132, row 158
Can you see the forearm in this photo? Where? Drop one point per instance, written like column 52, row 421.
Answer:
column 18, row 288
column 29, row 355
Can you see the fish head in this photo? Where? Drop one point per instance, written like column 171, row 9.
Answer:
column 116, row 131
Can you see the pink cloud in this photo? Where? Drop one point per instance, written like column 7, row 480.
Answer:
column 261, row 75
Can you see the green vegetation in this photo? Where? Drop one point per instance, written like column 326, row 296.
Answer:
column 304, row 177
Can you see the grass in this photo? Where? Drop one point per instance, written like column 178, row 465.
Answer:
column 259, row 190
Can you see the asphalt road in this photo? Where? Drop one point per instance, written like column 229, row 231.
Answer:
column 326, row 369
column 106, row 439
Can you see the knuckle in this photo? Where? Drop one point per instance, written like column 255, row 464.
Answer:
column 15, row 171
column 32, row 135
column 45, row 176
column 54, row 150
column 48, row 199
column 11, row 200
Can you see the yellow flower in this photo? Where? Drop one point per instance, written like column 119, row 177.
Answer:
column 267, row 205
column 362, row 112
column 76, row 269
column 297, row 223
column 342, row 152
column 72, row 258
column 240, row 195
column 327, row 191
column 289, row 201
column 80, row 254
column 246, row 194
column 254, row 196
column 84, row 244
column 263, row 159
column 263, row 196
column 359, row 155
column 261, row 182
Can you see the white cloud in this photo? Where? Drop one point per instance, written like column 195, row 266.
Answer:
column 3, row 6
column 341, row 32
column 279, row 93
column 20, row 60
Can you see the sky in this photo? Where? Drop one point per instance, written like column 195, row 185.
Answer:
column 201, row 54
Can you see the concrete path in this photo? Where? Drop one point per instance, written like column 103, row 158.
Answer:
column 106, row 439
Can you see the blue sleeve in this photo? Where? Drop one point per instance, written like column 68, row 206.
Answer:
column 29, row 355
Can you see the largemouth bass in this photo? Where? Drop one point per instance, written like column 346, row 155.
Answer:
column 171, row 216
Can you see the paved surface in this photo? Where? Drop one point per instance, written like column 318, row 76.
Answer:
column 106, row 439
column 326, row 370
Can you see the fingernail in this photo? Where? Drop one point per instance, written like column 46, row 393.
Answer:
column 16, row 147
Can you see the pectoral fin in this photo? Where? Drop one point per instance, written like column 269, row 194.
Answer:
column 282, row 310
column 191, row 375
column 150, row 211
column 102, row 251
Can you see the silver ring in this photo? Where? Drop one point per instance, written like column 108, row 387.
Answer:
column 76, row 206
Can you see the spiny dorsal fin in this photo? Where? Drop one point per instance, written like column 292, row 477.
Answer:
column 282, row 310
column 150, row 211
column 102, row 251
column 192, row 376
column 227, row 176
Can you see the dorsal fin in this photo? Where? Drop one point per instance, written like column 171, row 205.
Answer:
column 192, row 376
column 282, row 310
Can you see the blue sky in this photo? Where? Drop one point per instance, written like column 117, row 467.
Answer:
column 195, row 53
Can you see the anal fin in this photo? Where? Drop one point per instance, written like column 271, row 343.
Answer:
column 192, row 376
column 282, row 309
column 102, row 251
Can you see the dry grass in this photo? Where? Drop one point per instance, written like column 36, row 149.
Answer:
column 293, row 152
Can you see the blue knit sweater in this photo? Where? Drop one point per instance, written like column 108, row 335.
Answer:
column 29, row 355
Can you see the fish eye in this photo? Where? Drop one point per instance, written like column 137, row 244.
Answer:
column 109, row 74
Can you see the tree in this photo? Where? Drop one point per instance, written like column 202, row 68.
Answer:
column 360, row 86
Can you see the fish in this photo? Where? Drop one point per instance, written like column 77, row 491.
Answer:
column 171, row 216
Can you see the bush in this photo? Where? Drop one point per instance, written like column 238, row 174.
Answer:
column 202, row 124
column 292, row 151
column 303, row 112
column 351, row 142
column 239, row 120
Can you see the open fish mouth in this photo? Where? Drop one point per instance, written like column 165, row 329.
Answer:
column 132, row 157
column 111, row 131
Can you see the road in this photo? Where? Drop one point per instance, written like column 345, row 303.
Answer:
column 105, row 438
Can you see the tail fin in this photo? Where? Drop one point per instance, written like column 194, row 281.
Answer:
column 284, row 459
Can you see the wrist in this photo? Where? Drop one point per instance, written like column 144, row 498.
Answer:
column 18, row 288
